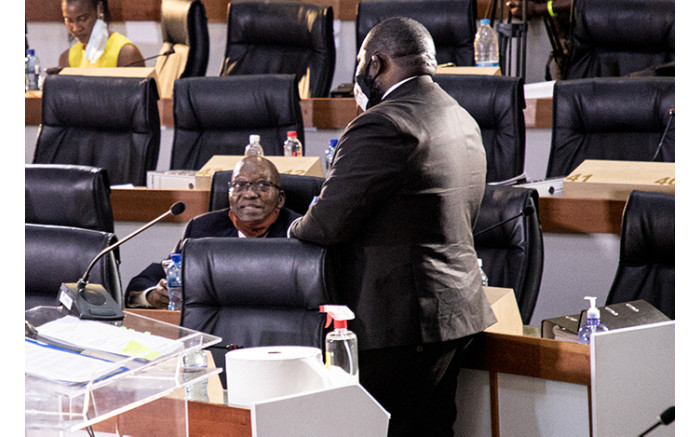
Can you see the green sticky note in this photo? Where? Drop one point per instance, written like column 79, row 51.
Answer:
column 135, row 349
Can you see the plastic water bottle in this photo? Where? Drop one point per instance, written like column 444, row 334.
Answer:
column 196, row 363
column 486, row 45
column 484, row 278
column 254, row 148
column 593, row 324
column 32, row 71
column 175, row 282
column 292, row 147
column 341, row 345
column 330, row 151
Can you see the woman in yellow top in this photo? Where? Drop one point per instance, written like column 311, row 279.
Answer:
column 86, row 20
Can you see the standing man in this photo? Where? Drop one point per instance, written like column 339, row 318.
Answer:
column 397, row 206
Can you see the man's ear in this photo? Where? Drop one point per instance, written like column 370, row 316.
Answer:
column 281, row 198
column 377, row 65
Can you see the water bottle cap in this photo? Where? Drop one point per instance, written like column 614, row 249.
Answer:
column 334, row 142
column 254, row 139
column 176, row 257
column 485, row 21
column 291, row 133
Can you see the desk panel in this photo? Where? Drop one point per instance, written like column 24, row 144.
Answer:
column 557, row 214
column 149, row 10
column 321, row 113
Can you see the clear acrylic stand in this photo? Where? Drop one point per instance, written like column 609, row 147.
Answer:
column 57, row 408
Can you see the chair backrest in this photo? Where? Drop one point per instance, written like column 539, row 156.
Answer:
column 497, row 104
column 282, row 37
column 216, row 115
column 255, row 291
column 106, row 122
column 647, row 266
column 58, row 254
column 616, row 38
column 513, row 252
column 183, row 24
column 452, row 24
column 300, row 190
column 68, row 195
column 620, row 119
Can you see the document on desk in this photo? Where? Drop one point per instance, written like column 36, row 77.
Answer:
column 56, row 364
column 103, row 337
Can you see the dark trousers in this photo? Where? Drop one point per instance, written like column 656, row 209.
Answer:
column 416, row 385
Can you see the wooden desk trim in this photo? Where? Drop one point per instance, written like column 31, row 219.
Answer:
column 557, row 214
column 321, row 113
column 143, row 204
column 217, row 10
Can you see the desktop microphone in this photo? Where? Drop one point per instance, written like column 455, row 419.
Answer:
column 671, row 113
column 529, row 209
column 665, row 418
column 165, row 53
column 92, row 301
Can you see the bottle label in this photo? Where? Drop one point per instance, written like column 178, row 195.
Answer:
column 487, row 64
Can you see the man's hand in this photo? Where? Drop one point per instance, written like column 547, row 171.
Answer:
column 158, row 297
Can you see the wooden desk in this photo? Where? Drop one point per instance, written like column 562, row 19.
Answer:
column 495, row 353
column 557, row 214
column 149, row 10
column 321, row 113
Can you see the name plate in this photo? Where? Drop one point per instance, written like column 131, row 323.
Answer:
column 601, row 179
column 301, row 165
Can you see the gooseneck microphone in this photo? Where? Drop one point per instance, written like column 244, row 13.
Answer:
column 671, row 113
column 91, row 301
column 165, row 53
column 527, row 210
column 665, row 418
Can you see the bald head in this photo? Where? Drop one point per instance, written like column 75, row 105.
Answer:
column 261, row 166
column 407, row 42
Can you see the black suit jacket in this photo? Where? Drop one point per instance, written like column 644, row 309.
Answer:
column 212, row 224
column 397, row 206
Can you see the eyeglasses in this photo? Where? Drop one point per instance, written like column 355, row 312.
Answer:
column 257, row 187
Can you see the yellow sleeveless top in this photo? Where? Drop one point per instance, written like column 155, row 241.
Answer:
column 115, row 42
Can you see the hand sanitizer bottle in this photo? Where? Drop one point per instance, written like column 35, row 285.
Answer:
column 592, row 325
column 341, row 345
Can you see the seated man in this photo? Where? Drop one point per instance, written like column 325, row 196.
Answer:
column 256, row 211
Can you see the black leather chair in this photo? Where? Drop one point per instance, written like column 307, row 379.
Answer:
column 647, row 267
column 282, row 37
column 255, row 292
column 300, row 190
column 497, row 104
column 57, row 254
column 452, row 24
column 183, row 24
column 513, row 252
column 617, row 38
column 620, row 119
column 216, row 115
column 68, row 195
column 106, row 122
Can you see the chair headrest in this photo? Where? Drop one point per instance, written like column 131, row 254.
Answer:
column 108, row 103
column 274, row 272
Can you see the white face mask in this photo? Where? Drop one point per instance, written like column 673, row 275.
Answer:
column 360, row 97
column 97, row 42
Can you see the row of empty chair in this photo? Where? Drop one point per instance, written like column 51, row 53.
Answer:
column 113, row 123
column 283, row 37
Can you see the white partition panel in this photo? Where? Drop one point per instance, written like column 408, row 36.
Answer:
column 633, row 379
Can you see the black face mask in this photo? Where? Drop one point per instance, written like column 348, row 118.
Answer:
column 366, row 91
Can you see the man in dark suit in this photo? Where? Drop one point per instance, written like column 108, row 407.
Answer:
column 256, row 211
column 397, row 207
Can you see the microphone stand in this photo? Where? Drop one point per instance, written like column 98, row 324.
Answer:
column 92, row 301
